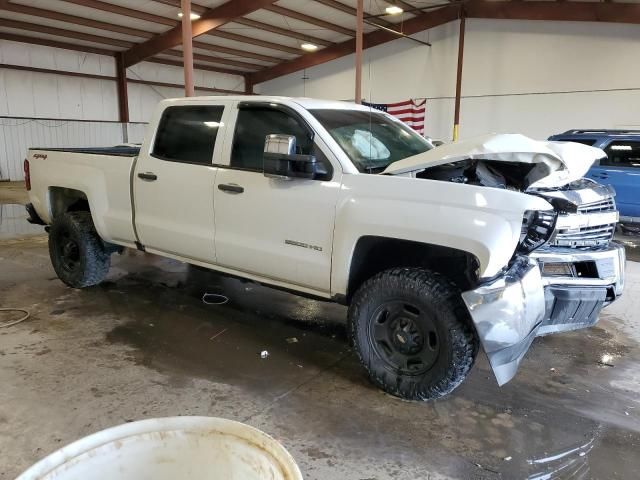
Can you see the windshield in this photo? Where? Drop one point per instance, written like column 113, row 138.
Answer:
column 371, row 140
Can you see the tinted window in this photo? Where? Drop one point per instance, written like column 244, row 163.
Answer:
column 622, row 154
column 584, row 141
column 188, row 134
column 371, row 140
column 252, row 127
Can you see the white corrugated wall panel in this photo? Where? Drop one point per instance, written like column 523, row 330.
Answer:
column 19, row 134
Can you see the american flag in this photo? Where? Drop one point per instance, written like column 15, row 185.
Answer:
column 410, row 112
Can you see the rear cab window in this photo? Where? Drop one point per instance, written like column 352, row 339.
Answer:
column 187, row 133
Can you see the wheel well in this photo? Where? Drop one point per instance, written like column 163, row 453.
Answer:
column 374, row 254
column 63, row 200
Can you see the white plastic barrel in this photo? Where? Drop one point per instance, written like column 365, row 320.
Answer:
column 174, row 448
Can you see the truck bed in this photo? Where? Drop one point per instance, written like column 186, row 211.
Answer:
column 119, row 150
column 101, row 175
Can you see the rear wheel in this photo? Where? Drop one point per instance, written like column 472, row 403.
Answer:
column 78, row 255
column 412, row 333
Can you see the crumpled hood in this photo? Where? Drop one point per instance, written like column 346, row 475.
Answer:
column 558, row 163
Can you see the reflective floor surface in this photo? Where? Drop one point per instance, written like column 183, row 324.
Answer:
column 143, row 344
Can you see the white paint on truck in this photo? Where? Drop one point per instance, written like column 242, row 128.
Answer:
column 302, row 231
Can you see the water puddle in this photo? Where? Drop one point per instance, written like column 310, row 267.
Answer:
column 572, row 462
column 13, row 222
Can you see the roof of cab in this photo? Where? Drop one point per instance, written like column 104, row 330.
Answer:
column 307, row 103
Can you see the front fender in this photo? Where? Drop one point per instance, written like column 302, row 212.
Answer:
column 507, row 313
column 484, row 222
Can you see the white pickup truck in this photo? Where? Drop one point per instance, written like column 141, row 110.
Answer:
column 492, row 241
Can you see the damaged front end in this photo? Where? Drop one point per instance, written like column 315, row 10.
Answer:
column 565, row 268
column 507, row 313
column 556, row 285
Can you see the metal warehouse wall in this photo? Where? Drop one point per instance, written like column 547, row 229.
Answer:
column 530, row 77
column 36, row 108
column 17, row 135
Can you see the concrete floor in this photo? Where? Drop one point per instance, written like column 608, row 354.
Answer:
column 144, row 345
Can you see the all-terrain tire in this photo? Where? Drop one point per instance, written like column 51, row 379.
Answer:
column 78, row 255
column 429, row 346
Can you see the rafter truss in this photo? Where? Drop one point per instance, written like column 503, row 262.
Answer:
column 240, row 37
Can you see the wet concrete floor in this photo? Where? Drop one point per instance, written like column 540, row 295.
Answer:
column 143, row 345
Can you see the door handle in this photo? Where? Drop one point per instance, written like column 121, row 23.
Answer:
column 230, row 188
column 148, row 176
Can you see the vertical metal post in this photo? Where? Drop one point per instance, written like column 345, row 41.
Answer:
column 248, row 85
column 121, row 81
column 187, row 49
column 456, row 115
column 125, row 132
column 359, row 28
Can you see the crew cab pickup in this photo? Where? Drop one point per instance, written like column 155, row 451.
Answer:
column 436, row 251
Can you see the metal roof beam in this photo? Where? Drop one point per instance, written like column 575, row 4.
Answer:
column 60, row 32
column 124, row 11
column 63, row 17
column 352, row 11
column 55, row 44
column 282, row 31
column 209, row 20
column 287, row 12
column 372, row 39
column 563, row 11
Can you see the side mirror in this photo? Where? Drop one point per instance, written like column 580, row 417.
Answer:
column 281, row 160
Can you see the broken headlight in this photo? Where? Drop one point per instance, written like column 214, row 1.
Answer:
column 537, row 228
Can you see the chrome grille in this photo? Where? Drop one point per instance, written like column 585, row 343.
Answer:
column 606, row 205
column 587, row 215
column 584, row 237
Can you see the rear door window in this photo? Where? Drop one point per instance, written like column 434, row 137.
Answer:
column 188, row 133
column 622, row 153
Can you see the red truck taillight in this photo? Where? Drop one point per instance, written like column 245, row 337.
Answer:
column 27, row 175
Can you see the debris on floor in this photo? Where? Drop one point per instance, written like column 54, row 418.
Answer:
column 9, row 323
column 264, row 354
column 214, row 299
column 219, row 333
column 292, row 340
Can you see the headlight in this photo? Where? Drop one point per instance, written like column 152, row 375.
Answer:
column 537, row 228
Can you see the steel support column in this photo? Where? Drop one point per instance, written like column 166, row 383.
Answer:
column 121, row 81
column 359, row 44
column 456, row 116
column 187, row 49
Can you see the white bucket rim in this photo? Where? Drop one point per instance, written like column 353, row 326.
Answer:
column 192, row 424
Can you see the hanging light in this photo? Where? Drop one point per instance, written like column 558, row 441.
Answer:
column 193, row 16
column 393, row 10
column 309, row 47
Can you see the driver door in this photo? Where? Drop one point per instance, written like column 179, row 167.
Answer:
column 279, row 229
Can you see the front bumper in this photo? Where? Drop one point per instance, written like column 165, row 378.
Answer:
column 525, row 302
column 629, row 219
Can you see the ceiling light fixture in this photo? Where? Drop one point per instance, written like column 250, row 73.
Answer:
column 193, row 16
column 309, row 47
column 393, row 10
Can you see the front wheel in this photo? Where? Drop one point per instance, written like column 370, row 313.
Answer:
column 413, row 334
column 77, row 253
